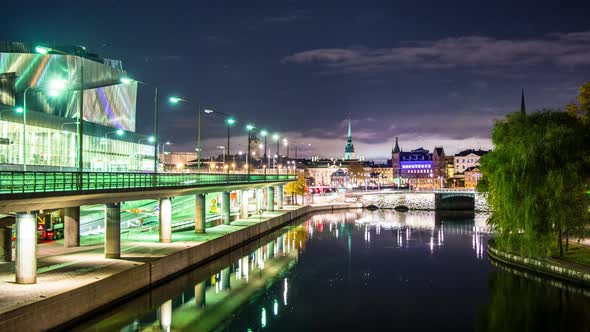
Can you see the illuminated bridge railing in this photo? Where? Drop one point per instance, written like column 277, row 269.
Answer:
column 17, row 182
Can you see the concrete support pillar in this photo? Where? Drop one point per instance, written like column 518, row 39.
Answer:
column 5, row 244
column 244, row 204
column 270, row 200
column 225, row 208
column 26, row 248
column 245, row 267
column 259, row 200
column 271, row 249
column 165, row 313
column 72, row 227
column 280, row 241
column 165, row 228
column 200, row 291
column 280, row 197
column 225, row 273
column 112, row 230
column 200, row 213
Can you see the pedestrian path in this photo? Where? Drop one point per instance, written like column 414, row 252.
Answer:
column 64, row 269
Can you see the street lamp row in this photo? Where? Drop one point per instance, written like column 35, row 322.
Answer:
column 56, row 87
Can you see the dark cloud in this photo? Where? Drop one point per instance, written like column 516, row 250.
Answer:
column 470, row 52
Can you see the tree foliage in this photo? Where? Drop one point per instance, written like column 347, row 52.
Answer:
column 298, row 187
column 356, row 171
column 581, row 110
column 537, row 178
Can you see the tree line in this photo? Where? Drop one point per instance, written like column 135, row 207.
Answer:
column 537, row 178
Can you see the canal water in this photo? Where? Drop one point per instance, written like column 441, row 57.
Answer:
column 357, row 271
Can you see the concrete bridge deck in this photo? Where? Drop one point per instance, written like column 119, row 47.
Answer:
column 23, row 191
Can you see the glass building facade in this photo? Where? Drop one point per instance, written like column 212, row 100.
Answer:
column 109, row 107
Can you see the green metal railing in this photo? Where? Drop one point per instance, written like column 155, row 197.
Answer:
column 18, row 182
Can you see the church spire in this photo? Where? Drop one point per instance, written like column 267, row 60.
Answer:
column 396, row 149
column 349, row 128
column 522, row 106
column 349, row 147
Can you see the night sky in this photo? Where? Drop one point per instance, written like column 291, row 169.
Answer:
column 430, row 72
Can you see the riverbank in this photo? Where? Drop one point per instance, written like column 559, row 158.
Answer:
column 554, row 268
column 74, row 282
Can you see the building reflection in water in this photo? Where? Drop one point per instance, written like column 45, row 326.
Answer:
column 211, row 301
column 408, row 227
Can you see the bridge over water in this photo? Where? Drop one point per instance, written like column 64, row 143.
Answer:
column 449, row 199
column 26, row 193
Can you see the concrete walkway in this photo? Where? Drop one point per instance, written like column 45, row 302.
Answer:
column 60, row 269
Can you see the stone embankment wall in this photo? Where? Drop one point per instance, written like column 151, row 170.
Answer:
column 552, row 268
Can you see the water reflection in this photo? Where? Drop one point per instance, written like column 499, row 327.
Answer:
column 353, row 270
column 525, row 302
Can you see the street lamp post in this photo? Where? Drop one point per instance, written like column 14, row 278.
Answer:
column 45, row 50
column 276, row 138
column 55, row 88
column 264, row 133
column 126, row 80
column 249, row 128
column 230, row 122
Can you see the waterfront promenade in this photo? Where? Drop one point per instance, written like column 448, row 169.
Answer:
column 75, row 281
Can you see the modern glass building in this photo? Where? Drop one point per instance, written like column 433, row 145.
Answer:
column 49, row 141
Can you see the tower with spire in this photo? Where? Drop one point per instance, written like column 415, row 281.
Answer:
column 522, row 106
column 349, row 147
column 395, row 159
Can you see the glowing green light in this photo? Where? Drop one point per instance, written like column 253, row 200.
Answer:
column 263, row 133
column 276, row 307
column 174, row 100
column 263, row 318
column 230, row 121
column 151, row 139
column 19, row 109
column 42, row 49
column 249, row 127
column 126, row 80
column 275, row 137
column 119, row 132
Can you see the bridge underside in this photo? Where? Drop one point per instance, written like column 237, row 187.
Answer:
column 56, row 200
column 460, row 203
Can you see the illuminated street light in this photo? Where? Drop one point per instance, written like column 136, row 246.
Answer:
column 276, row 138
column 249, row 128
column 118, row 132
column 41, row 49
column 44, row 50
column 230, row 122
column 54, row 88
column 127, row 80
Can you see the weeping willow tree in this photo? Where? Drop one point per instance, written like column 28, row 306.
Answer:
column 537, row 178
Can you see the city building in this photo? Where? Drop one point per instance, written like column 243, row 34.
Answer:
column 467, row 158
column 41, row 102
column 179, row 161
column 472, row 176
column 419, row 168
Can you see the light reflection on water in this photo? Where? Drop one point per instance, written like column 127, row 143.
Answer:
column 352, row 270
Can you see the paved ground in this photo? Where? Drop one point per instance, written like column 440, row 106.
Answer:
column 62, row 269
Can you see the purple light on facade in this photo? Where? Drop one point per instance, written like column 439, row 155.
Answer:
column 107, row 107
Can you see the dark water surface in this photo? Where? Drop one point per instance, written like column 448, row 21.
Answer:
column 358, row 271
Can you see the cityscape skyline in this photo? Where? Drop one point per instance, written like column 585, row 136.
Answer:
column 429, row 79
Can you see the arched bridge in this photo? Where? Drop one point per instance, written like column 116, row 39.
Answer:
column 424, row 200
